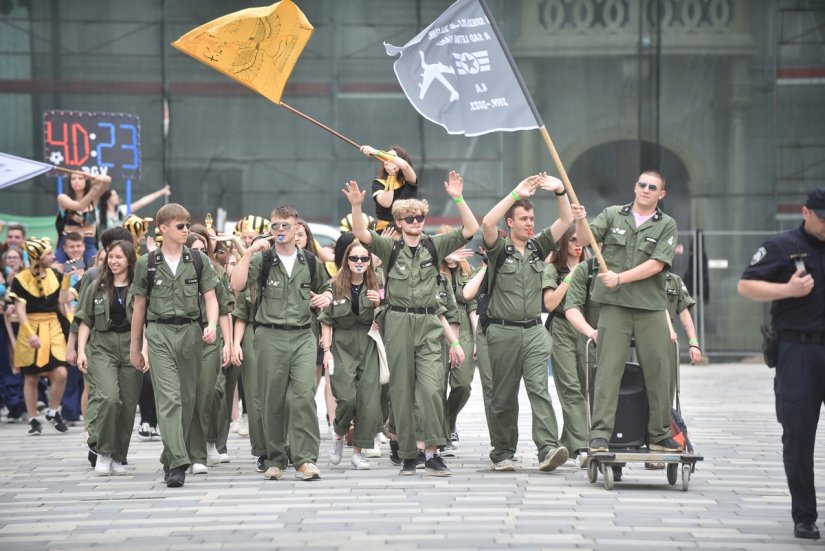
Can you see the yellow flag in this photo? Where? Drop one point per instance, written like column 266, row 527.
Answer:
column 257, row 47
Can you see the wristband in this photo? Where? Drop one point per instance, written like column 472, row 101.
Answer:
column 515, row 195
column 456, row 344
column 458, row 200
column 567, row 279
column 212, row 325
column 561, row 193
column 696, row 346
column 66, row 283
column 693, row 342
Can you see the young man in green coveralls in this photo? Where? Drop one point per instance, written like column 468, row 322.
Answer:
column 285, row 346
column 412, row 330
column 173, row 332
column 639, row 242
column 517, row 343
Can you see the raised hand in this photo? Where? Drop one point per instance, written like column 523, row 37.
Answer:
column 550, row 183
column 354, row 195
column 528, row 186
column 454, row 184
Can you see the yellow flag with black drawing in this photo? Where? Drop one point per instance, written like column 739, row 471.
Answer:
column 257, row 47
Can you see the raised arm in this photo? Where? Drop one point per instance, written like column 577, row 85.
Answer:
column 241, row 272
column 565, row 219
column 101, row 183
column 165, row 191
column 356, row 197
column 489, row 224
column 454, row 186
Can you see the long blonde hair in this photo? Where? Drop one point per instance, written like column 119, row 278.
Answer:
column 343, row 278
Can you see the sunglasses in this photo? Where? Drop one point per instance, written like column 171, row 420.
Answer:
column 183, row 225
column 281, row 225
column 651, row 187
column 354, row 258
column 416, row 218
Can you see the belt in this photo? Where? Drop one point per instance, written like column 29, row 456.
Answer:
column 801, row 337
column 522, row 324
column 418, row 310
column 175, row 321
column 284, row 327
column 120, row 328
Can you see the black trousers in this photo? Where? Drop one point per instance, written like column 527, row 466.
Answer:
column 146, row 402
column 800, row 391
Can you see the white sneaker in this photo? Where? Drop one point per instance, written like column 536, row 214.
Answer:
column 505, row 465
column 233, row 426
column 117, row 468
column 198, row 468
column 376, row 448
column 212, row 455
column 103, row 467
column 144, row 432
column 224, row 458
column 243, row 426
column 359, row 462
column 336, row 451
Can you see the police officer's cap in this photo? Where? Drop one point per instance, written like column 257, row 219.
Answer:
column 816, row 202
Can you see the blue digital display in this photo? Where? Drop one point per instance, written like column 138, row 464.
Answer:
column 98, row 143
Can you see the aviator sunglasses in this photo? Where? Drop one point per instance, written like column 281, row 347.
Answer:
column 183, row 225
column 644, row 185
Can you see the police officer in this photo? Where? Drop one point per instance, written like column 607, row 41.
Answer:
column 414, row 355
column 284, row 343
column 639, row 242
column 173, row 332
column 789, row 270
column 518, row 345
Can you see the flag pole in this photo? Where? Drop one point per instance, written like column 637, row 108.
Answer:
column 546, row 135
column 320, row 124
column 70, row 171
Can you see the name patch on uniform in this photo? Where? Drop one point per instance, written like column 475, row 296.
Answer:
column 427, row 264
column 191, row 280
column 651, row 239
column 305, row 285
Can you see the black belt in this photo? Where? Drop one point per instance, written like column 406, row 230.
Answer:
column 284, row 327
column 176, row 321
column 418, row 310
column 120, row 328
column 522, row 324
column 801, row 337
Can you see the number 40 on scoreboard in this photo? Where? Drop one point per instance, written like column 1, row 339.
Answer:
column 98, row 143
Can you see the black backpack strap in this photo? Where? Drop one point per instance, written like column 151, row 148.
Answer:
column 311, row 263
column 396, row 250
column 268, row 259
column 536, row 249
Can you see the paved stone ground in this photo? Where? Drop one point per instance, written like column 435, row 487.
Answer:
column 738, row 499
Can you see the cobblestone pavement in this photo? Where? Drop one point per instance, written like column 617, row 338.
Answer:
column 738, row 498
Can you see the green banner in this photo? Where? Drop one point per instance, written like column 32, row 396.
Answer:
column 36, row 226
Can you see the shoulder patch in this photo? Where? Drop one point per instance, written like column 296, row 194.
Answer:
column 758, row 255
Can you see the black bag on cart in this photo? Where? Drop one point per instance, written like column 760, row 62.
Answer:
column 630, row 426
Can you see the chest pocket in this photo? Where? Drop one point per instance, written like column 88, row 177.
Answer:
column 340, row 309
column 274, row 289
column 647, row 246
column 99, row 314
column 162, row 301
column 615, row 239
column 190, row 294
column 508, row 270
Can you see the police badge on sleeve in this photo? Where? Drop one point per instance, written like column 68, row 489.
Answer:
column 758, row 255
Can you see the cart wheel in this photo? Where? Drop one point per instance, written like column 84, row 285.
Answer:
column 617, row 472
column 592, row 471
column 672, row 473
column 608, row 477
column 685, row 477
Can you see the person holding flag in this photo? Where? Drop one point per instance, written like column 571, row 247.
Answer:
column 396, row 181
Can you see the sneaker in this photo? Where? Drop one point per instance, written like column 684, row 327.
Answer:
column 259, row 464
column 176, row 478
column 505, row 465
column 375, row 452
column 666, row 445
column 154, row 432
column 57, row 421
column 307, row 471
column 806, row 530
column 408, row 469
column 581, row 459
column 35, row 428
column 553, row 459
column 359, row 462
column 144, row 433
column 212, row 455
column 421, row 460
column 437, row 467
column 92, row 456
column 198, row 468
column 273, row 473
column 337, row 450
column 243, row 426
column 395, row 459
column 447, row 451
column 117, row 468
column 454, row 439
column 224, row 458
column 104, row 465
column 233, row 426
column 599, row 445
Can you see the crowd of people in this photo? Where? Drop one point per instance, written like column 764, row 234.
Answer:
column 394, row 320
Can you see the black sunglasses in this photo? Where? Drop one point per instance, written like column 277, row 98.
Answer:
column 354, row 258
column 651, row 187
column 183, row 225
column 416, row 218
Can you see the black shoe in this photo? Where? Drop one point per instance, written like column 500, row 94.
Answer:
column 35, row 427
column 454, row 438
column 57, row 421
column 92, row 457
column 666, row 445
column 409, row 467
column 259, row 464
column 421, row 460
column 806, row 530
column 288, row 454
column 395, row 459
column 617, row 473
column 176, row 478
column 437, row 467
column 599, row 445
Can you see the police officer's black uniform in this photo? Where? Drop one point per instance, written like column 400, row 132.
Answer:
column 800, row 370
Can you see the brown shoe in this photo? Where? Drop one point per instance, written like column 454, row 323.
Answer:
column 307, row 471
column 273, row 473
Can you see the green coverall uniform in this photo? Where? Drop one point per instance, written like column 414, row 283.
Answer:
column 92, row 400
column 633, row 309
column 518, row 347
column 251, row 375
column 678, row 300
column 461, row 376
column 174, row 335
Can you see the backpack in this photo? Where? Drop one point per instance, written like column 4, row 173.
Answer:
column 270, row 259
column 485, row 290
column 156, row 257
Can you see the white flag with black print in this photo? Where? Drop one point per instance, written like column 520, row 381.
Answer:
column 459, row 73
column 14, row 170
